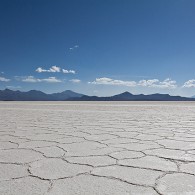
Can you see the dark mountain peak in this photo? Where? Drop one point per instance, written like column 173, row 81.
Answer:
column 33, row 90
column 125, row 93
column 161, row 94
column 7, row 90
column 67, row 91
column 66, row 95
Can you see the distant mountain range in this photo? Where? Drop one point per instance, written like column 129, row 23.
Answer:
column 34, row 95
column 68, row 95
column 126, row 96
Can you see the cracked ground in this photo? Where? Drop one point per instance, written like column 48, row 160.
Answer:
column 97, row 148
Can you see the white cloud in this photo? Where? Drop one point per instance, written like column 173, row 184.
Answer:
column 75, row 80
column 74, row 47
column 3, row 79
column 52, row 69
column 68, row 71
column 167, row 83
column 32, row 79
column 52, row 80
column 147, row 83
column 108, row 81
column 55, row 69
column 189, row 83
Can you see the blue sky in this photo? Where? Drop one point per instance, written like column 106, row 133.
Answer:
column 98, row 47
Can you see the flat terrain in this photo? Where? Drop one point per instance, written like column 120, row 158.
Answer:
column 97, row 148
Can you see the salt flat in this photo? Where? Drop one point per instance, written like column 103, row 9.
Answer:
column 97, row 148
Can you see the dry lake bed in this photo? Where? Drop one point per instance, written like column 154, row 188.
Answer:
column 97, row 148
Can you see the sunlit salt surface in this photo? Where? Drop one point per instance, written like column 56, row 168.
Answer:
column 87, row 148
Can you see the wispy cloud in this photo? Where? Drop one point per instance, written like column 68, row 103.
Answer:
column 68, row 71
column 13, row 87
column 189, row 83
column 74, row 47
column 52, row 69
column 3, row 79
column 167, row 83
column 75, row 80
column 52, row 80
column 32, row 79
